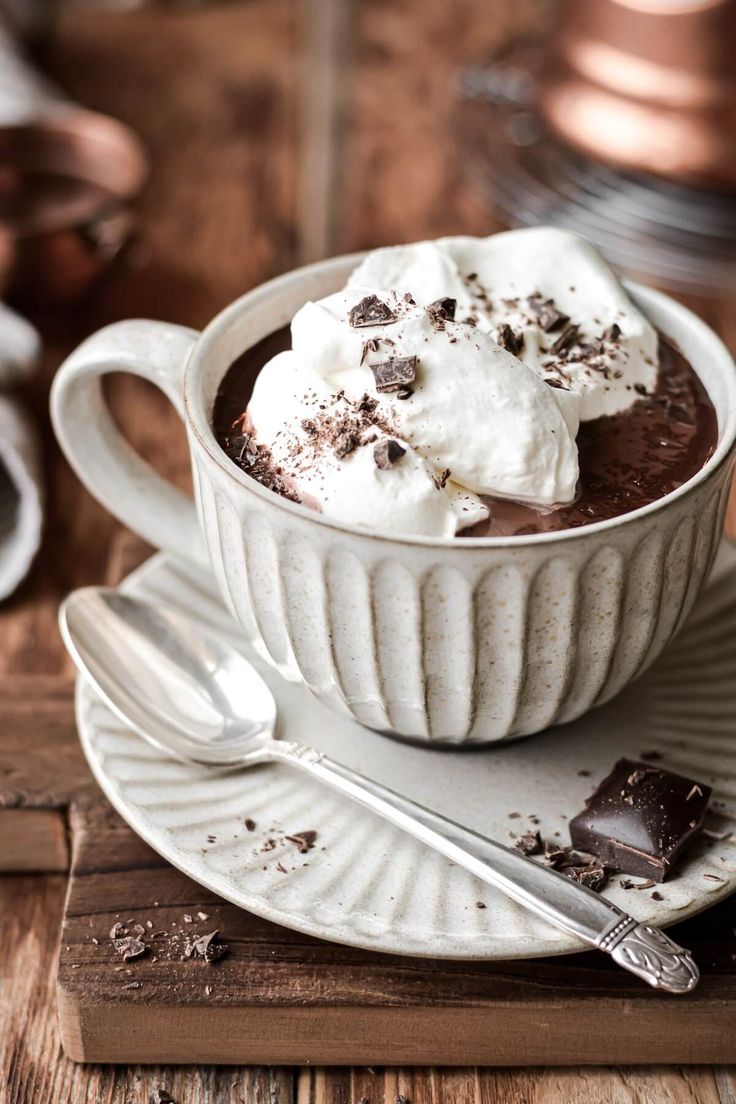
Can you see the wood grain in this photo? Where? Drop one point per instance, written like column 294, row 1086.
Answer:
column 279, row 996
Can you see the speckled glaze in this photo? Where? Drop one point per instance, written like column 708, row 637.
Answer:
column 434, row 640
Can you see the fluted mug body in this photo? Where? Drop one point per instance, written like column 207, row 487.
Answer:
column 445, row 641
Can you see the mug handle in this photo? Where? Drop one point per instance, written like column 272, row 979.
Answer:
column 101, row 457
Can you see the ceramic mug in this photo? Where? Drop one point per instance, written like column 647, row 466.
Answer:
column 442, row 641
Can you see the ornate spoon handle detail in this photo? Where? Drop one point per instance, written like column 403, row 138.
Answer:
column 651, row 954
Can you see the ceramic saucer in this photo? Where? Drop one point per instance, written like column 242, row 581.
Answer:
column 364, row 882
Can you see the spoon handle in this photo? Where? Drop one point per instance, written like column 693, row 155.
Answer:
column 639, row 948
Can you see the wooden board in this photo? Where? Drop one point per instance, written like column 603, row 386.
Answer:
column 279, row 997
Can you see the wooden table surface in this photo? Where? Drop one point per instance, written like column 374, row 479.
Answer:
column 280, row 131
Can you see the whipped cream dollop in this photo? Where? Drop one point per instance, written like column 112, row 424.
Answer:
column 446, row 373
column 547, row 295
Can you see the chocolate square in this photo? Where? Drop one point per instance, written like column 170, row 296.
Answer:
column 371, row 311
column 394, row 374
column 640, row 819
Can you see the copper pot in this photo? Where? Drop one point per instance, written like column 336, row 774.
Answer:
column 65, row 181
column 647, row 85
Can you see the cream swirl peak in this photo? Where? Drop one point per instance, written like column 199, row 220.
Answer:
column 546, row 295
column 446, row 373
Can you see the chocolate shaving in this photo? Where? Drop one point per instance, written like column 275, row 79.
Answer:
column 443, row 310
column 372, row 345
column 591, row 875
column 613, row 332
column 529, row 844
column 509, row 339
column 370, row 311
column 129, row 947
column 394, row 373
column 566, row 340
column 205, row 947
column 387, row 453
column 250, row 824
column 304, row 841
column 554, row 853
column 546, row 313
column 345, row 444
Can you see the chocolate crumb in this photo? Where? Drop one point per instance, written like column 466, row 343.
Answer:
column 369, row 346
column 387, row 453
column 566, row 340
column 207, row 947
column 129, row 947
column 529, row 844
column 370, row 311
column 613, row 333
column 480, row 904
column 554, row 853
column 546, row 313
column 345, row 444
column 508, row 339
column 304, row 841
column 657, row 896
column 442, row 310
column 281, row 868
column 591, row 875
column 250, row 824
column 394, row 373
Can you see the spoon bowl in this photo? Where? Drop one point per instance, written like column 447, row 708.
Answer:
column 192, row 695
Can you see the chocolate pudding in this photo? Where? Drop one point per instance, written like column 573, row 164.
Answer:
column 627, row 460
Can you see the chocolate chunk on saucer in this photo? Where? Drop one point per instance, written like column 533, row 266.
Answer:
column 640, row 819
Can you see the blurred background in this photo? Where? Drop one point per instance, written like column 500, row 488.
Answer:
column 160, row 158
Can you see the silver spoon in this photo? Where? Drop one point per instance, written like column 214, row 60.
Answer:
column 198, row 698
